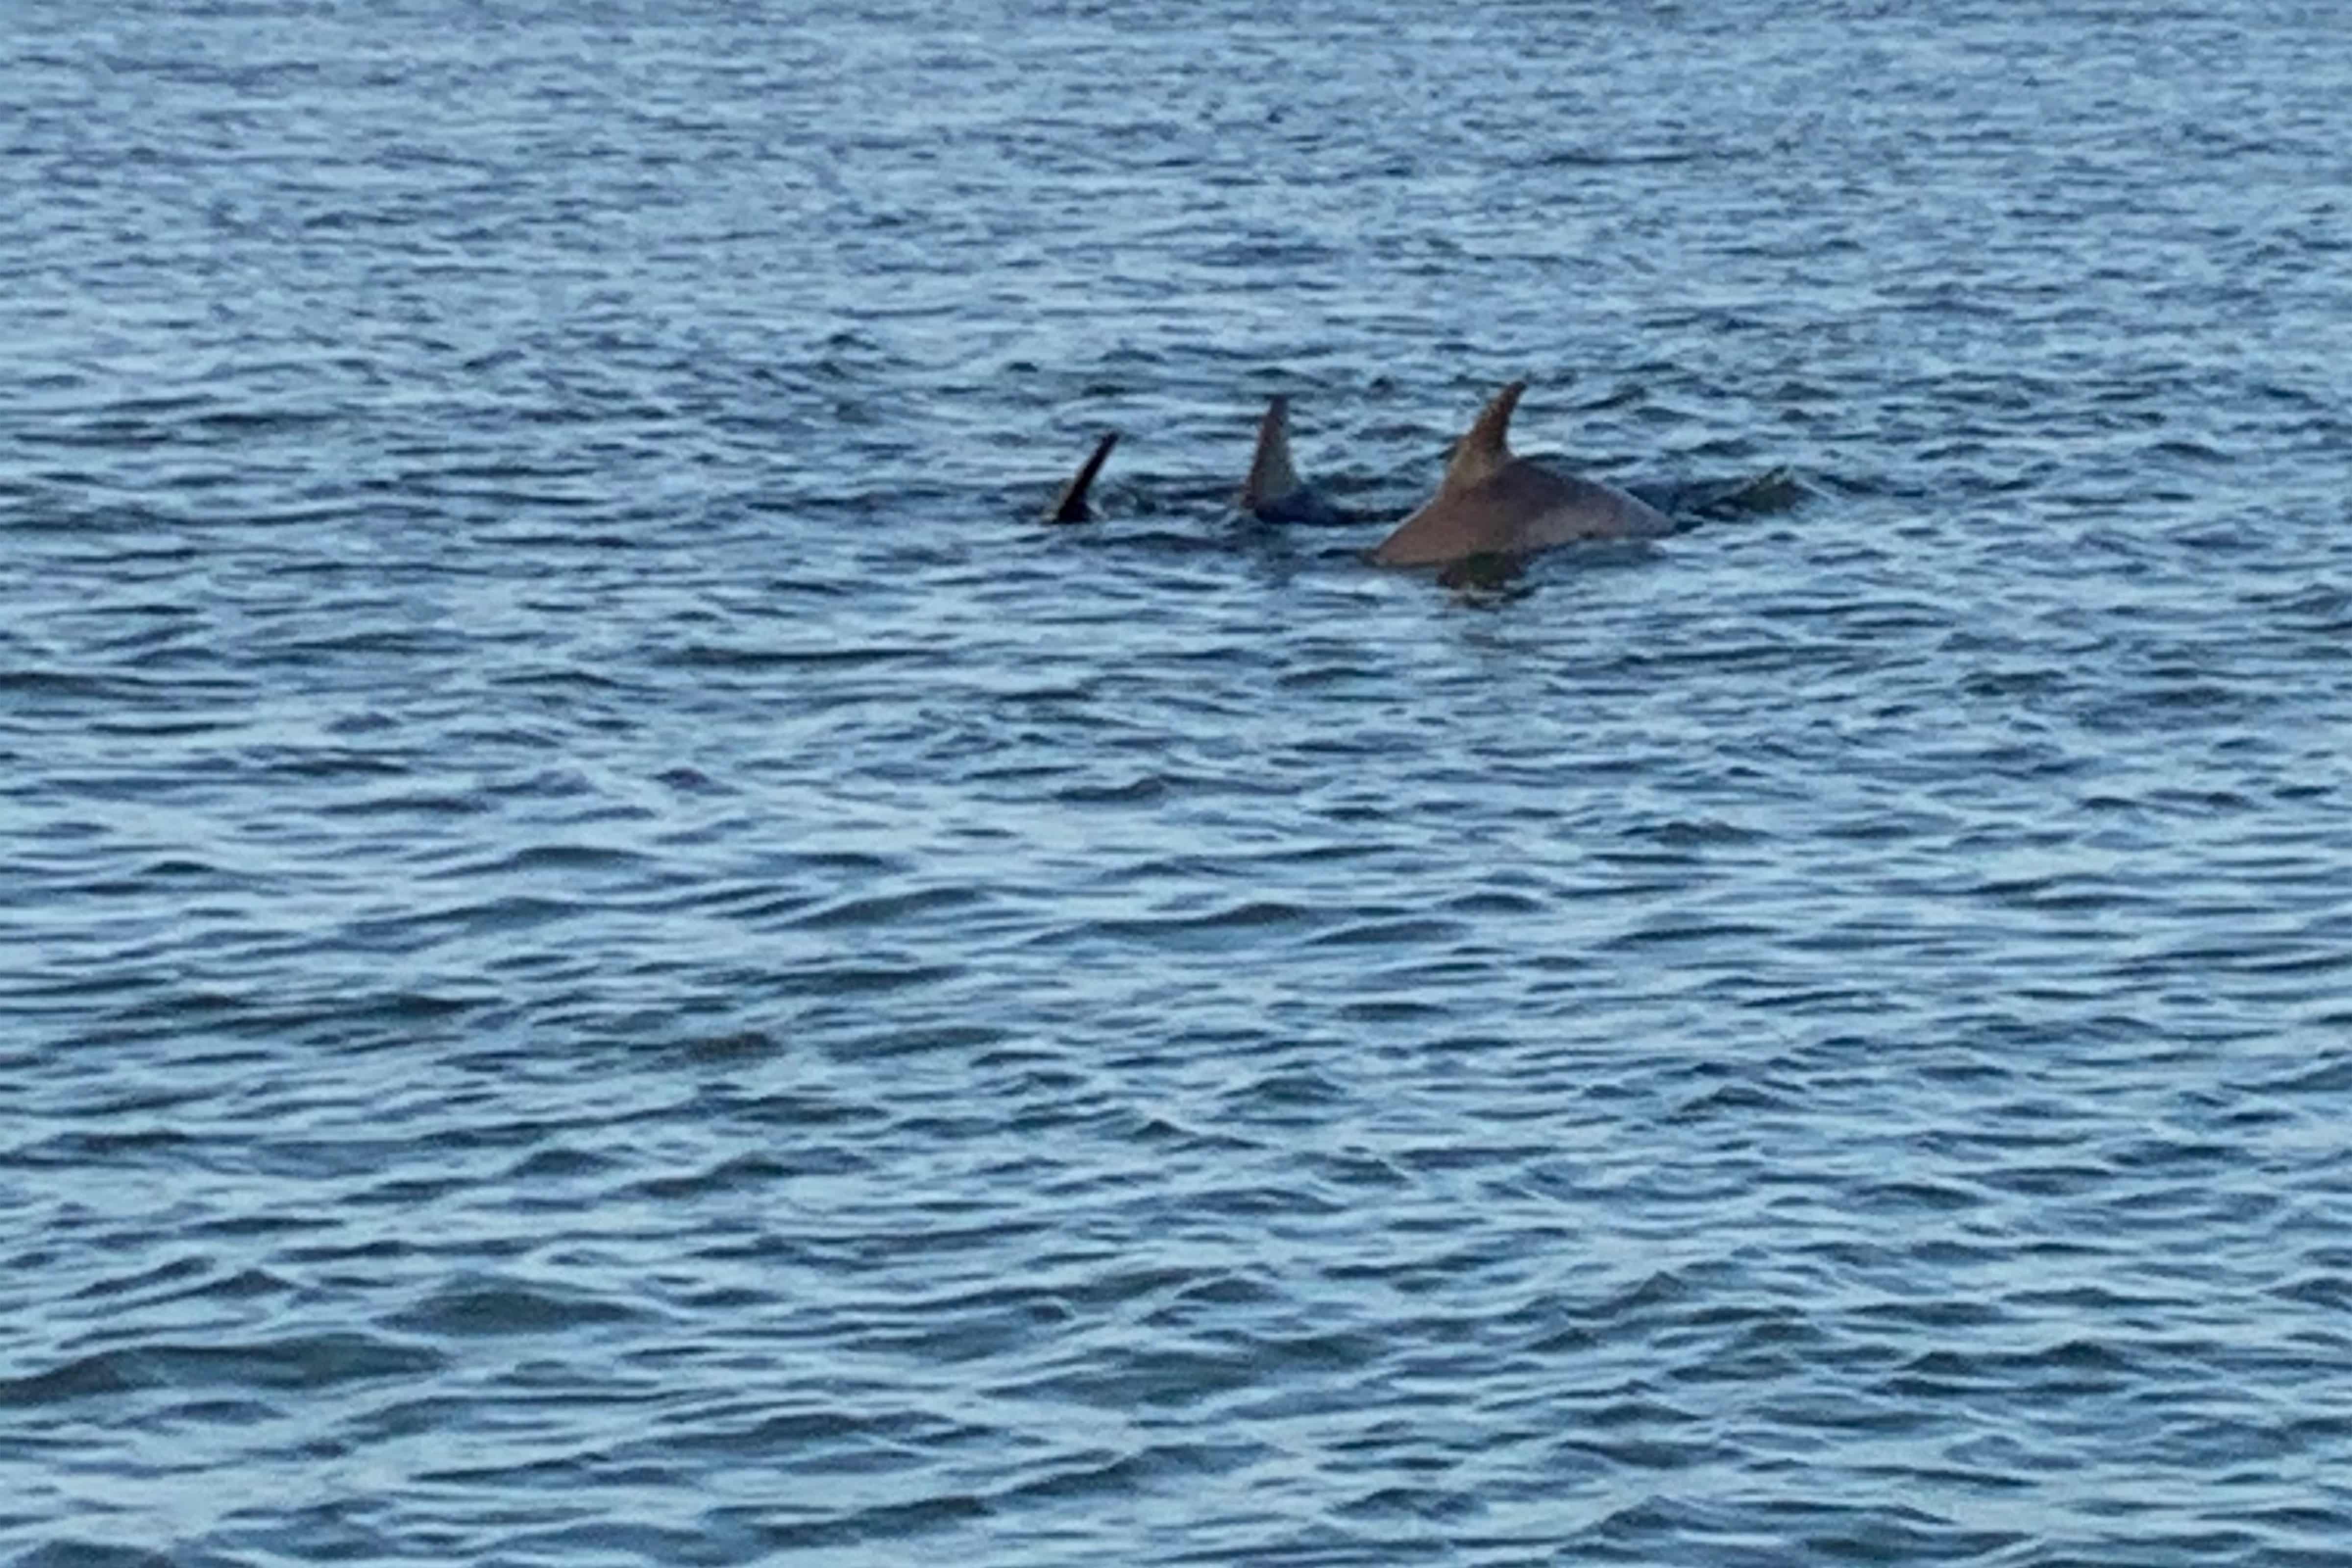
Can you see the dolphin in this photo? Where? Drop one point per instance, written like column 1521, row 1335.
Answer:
column 1273, row 492
column 1070, row 506
column 1491, row 504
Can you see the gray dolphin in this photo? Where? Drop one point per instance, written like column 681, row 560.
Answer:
column 1491, row 504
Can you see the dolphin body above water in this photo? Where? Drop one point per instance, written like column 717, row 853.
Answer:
column 1273, row 492
column 1493, row 504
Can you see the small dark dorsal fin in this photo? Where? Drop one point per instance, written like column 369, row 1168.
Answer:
column 1488, row 445
column 1072, row 506
column 1272, row 478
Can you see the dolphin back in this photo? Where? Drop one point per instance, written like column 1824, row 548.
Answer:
column 1520, row 509
column 1551, row 509
column 1492, row 504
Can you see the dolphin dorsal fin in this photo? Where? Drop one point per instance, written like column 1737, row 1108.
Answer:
column 1072, row 505
column 1271, row 476
column 1488, row 445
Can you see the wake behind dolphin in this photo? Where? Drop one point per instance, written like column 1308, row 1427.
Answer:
column 1491, row 504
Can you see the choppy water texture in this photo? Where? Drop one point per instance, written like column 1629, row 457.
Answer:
column 613, row 957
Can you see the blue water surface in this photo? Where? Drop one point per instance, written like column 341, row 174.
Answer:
column 611, row 955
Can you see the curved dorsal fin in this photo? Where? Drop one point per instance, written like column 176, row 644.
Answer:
column 1271, row 476
column 1488, row 445
column 1072, row 505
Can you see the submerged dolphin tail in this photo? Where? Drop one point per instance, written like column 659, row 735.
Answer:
column 1272, row 478
column 1072, row 505
column 1487, row 447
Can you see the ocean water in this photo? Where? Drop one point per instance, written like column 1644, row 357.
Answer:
column 610, row 954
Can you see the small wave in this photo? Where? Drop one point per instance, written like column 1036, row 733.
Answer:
column 301, row 1362
column 702, row 656
column 486, row 1305
column 890, row 908
column 1617, row 157
column 1250, row 916
column 863, row 979
column 1402, row 932
column 552, row 857
column 892, row 1522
